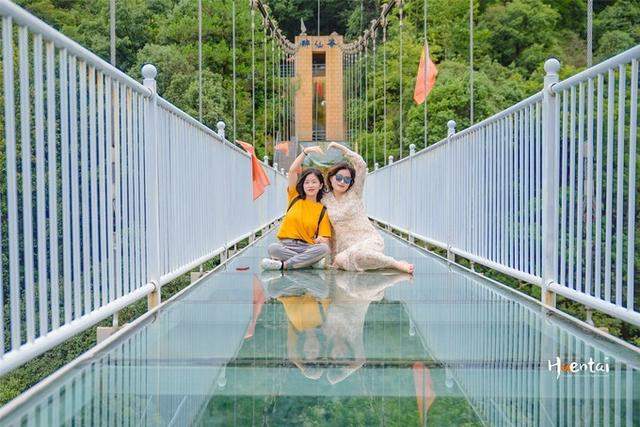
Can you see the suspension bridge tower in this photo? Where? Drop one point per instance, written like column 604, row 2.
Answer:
column 319, row 80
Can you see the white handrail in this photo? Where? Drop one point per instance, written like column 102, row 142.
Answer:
column 530, row 191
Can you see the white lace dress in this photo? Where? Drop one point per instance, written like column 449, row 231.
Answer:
column 356, row 244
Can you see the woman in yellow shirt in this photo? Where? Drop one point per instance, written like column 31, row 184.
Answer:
column 305, row 231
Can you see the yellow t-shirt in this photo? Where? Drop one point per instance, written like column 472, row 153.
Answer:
column 303, row 311
column 302, row 219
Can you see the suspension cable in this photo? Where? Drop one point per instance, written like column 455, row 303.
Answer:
column 265, row 81
column 273, row 93
column 400, row 6
column 470, row 61
column 345, row 101
column 366, row 101
column 426, row 67
column 233, row 49
column 375, row 94
column 200, row 60
column 253, row 73
column 287, row 81
column 351, row 95
column 280, row 106
column 589, row 33
column 384, row 90
column 360, row 93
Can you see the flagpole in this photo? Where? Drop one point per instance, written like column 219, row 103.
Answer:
column 426, row 65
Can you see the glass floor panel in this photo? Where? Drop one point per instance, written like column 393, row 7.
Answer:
column 310, row 347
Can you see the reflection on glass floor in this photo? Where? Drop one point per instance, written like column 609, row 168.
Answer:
column 445, row 347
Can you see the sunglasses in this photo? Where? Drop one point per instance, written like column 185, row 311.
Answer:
column 346, row 179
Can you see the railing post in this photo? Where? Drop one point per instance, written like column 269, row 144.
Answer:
column 549, row 182
column 451, row 130
column 265, row 160
column 390, row 160
column 376, row 165
column 149, row 72
column 220, row 125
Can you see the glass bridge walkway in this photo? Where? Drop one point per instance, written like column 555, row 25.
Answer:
column 445, row 347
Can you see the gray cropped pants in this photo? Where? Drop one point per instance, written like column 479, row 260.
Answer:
column 296, row 253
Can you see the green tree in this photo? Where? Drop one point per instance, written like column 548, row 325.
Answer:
column 515, row 34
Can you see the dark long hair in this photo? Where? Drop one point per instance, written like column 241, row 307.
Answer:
column 338, row 167
column 303, row 176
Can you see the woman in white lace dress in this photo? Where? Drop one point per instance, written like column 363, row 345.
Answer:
column 357, row 245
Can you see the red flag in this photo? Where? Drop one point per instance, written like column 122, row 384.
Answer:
column 258, row 302
column 427, row 76
column 424, row 389
column 283, row 147
column 258, row 176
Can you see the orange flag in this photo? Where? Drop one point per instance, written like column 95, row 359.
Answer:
column 426, row 78
column 258, row 176
column 283, row 147
column 424, row 389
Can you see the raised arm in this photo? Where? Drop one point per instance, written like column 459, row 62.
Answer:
column 296, row 166
column 359, row 165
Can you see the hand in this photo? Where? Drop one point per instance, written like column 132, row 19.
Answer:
column 314, row 149
column 334, row 144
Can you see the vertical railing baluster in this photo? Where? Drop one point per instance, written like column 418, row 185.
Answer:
column 75, row 187
column 52, row 151
column 622, row 75
column 93, row 185
column 43, row 297
column 25, row 148
column 12, row 192
column 84, row 188
column 102, row 176
column 631, row 206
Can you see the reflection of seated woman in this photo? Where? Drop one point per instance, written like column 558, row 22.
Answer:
column 344, row 327
column 305, row 298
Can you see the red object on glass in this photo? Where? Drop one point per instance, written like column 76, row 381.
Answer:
column 424, row 389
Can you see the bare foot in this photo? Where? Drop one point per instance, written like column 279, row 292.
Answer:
column 404, row 266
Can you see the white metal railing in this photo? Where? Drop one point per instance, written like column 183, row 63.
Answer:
column 126, row 372
column 497, row 349
column 596, row 130
column 510, row 193
column 110, row 191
